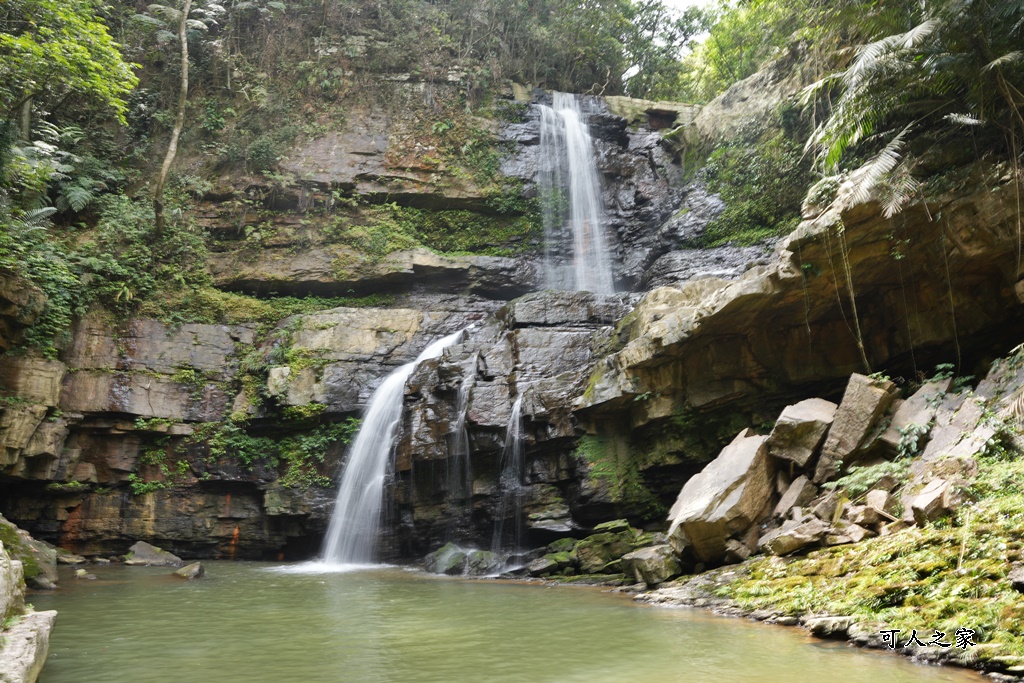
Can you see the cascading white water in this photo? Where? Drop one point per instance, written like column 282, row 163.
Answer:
column 460, row 467
column 352, row 534
column 510, row 485
column 571, row 201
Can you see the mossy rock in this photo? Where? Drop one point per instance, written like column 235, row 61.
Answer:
column 595, row 552
column 597, row 580
column 562, row 559
column 38, row 559
column 614, row 526
column 562, row 545
column 448, row 559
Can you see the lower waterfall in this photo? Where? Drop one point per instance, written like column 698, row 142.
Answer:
column 353, row 531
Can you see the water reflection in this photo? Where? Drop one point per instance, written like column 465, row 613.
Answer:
column 249, row 622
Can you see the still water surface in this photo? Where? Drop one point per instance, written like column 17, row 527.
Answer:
column 254, row 623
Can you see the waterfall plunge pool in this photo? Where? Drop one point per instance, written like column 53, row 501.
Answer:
column 260, row 623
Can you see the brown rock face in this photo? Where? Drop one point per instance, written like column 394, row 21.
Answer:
column 715, row 345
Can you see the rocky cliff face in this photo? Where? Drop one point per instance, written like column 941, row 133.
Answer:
column 210, row 439
column 135, row 431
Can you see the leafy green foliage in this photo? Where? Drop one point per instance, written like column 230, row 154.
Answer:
column 619, row 468
column 386, row 228
column 299, row 454
column 27, row 250
column 742, row 36
column 43, row 38
column 762, row 177
column 933, row 71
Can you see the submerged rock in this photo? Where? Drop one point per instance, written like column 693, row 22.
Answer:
column 144, row 554
column 191, row 571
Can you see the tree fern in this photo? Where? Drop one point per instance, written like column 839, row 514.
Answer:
column 960, row 64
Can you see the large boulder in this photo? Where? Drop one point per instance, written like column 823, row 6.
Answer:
column 448, row 559
column 800, row 429
column 12, row 586
column 38, row 559
column 728, row 497
column 652, row 565
column 794, row 535
column 23, row 647
column 144, row 554
column 864, row 402
column 24, row 638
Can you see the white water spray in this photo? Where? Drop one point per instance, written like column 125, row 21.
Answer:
column 510, row 484
column 352, row 534
column 571, row 201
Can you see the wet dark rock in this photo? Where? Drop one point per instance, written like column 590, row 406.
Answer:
column 448, row 559
column 482, row 563
column 542, row 566
column 828, row 626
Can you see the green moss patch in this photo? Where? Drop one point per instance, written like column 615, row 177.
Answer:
column 948, row 575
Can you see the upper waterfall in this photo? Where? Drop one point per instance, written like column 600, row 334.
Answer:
column 574, row 217
column 352, row 534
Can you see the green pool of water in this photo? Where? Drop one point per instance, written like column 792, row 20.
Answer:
column 251, row 622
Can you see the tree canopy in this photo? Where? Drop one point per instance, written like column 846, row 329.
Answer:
column 51, row 50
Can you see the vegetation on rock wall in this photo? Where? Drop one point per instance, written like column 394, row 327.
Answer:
column 762, row 175
column 298, row 456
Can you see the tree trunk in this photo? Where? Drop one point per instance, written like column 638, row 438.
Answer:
column 179, row 123
column 26, row 119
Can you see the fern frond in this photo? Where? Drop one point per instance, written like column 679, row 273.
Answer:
column 1005, row 60
column 37, row 218
column 77, row 197
column 148, row 20
column 964, row 120
column 901, row 189
column 170, row 14
column 866, row 178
